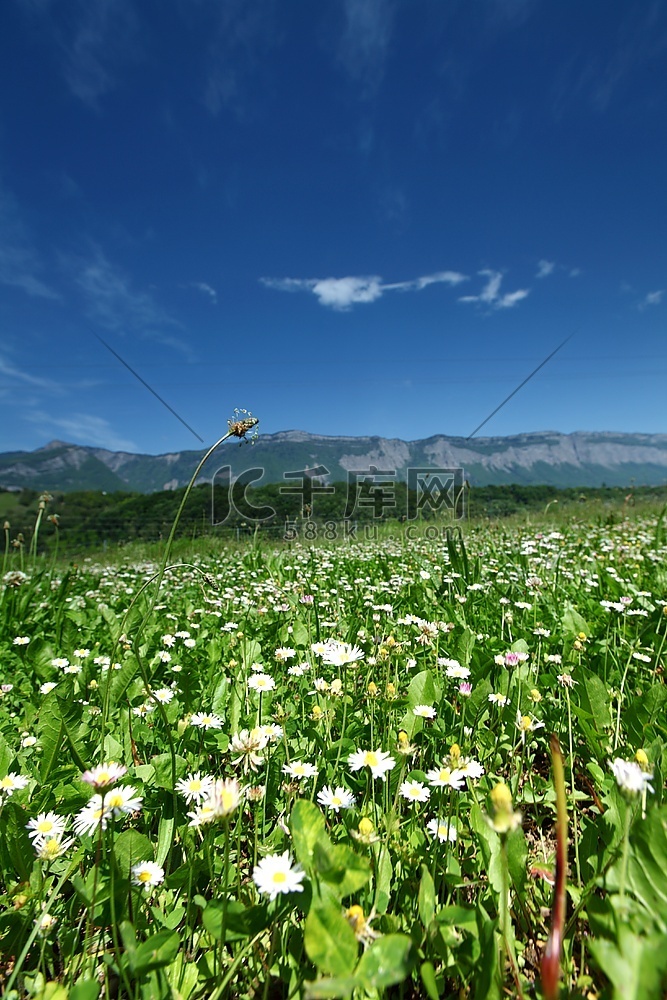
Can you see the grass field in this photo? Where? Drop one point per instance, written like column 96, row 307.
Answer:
column 330, row 770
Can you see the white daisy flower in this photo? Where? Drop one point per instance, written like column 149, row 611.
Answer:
column 298, row 769
column 442, row 830
column 336, row 800
column 195, row 787
column 415, row 791
column 276, row 874
column 378, row 762
column 147, row 874
column 206, row 720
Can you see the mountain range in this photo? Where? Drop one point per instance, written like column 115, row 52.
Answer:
column 580, row 459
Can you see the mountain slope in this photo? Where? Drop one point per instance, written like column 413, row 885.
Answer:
column 578, row 459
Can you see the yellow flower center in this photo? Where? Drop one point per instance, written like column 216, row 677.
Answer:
column 279, row 877
column 371, row 759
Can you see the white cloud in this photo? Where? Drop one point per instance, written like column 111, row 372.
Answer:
column 490, row 294
column 13, row 372
column 112, row 301
column 652, row 299
column 206, row 289
column 545, row 268
column 105, row 34
column 81, row 428
column 343, row 293
column 364, row 44
column 20, row 266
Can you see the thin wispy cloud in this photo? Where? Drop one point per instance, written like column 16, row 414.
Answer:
column 490, row 295
column 14, row 374
column 652, row 299
column 343, row 293
column 242, row 36
column 205, row 289
column 364, row 44
column 81, row 428
column 112, row 301
column 545, row 268
column 20, row 264
column 104, row 39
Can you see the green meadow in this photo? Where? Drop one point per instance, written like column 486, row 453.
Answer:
column 392, row 766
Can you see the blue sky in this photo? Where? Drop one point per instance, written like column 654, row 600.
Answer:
column 351, row 217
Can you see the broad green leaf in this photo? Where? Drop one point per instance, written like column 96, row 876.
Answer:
column 426, row 898
column 517, row 855
column 572, row 622
column 647, row 868
column 489, row 843
column 329, row 939
column 16, row 850
column 307, row 827
column 331, row 988
column 238, row 921
column 339, row 866
column 85, row 989
column 636, row 966
column 384, row 876
column 156, row 952
column 388, row 961
column 131, row 847
column 163, row 770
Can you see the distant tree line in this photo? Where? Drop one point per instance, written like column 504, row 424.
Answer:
column 89, row 519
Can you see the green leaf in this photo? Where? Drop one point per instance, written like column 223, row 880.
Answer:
column 341, row 868
column 163, row 774
column 59, row 723
column 384, row 877
column 85, row 989
column 329, row 939
column 489, row 842
column 426, row 898
column 239, row 923
column 6, row 756
column 131, row 847
column 427, row 973
column 388, row 961
column 646, row 877
column 636, row 966
column 594, row 698
column 572, row 623
column 16, row 850
column 307, row 828
column 517, row 856
column 156, row 952
column 332, row 988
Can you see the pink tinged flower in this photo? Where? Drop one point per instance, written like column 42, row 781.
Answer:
column 465, row 689
column 104, row 775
